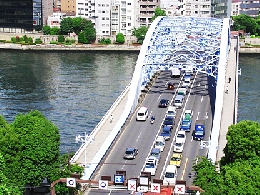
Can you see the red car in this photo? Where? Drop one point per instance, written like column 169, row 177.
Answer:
column 170, row 86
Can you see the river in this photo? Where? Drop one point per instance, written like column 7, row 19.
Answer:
column 75, row 89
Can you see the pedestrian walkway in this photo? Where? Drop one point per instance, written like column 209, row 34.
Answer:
column 229, row 101
column 102, row 133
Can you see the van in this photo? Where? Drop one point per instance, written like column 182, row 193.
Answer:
column 170, row 175
column 178, row 101
column 186, row 81
column 142, row 114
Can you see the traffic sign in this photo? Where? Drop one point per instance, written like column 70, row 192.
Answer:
column 179, row 189
column 131, row 185
column 71, row 182
column 102, row 184
column 119, row 179
column 155, row 187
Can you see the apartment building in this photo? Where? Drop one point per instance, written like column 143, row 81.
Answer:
column 195, row 8
column 68, row 6
column 46, row 7
column 235, row 7
column 250, row 7
column 147, row 8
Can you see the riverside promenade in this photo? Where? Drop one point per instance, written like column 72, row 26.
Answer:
column 229, row 109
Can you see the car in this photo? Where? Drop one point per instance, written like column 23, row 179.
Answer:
column 181, row 136
column 169, row 121
column 171, row 111
column 130, row 153
column 170, row 86
column 176, row 159
column 160, row 143
column 166, row 133
column 163, row 103
column 185, row 124
column 178, row 146
column 156, row 153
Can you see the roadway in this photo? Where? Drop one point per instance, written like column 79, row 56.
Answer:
column 143, row 134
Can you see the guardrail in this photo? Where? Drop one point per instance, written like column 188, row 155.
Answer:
column 99, row 125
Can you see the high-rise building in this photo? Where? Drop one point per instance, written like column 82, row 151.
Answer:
column 147, row 8
column 250, row 8
column 24, row 15
column 235, row 7
column 68, row 6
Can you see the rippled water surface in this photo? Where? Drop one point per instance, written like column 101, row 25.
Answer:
column 248, row 92
column 74, row 90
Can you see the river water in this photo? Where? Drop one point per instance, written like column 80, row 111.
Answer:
column 74, row 90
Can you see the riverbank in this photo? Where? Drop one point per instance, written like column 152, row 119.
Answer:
column 90, row 47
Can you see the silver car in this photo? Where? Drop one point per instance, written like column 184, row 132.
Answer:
column 130, row 153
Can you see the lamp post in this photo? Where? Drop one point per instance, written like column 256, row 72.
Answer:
column 84, row 140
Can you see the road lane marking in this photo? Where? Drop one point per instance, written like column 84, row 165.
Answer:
column 198, row 84
column 207, row 115
column 139, row 136
column 184, row 169
column 159, row 97
column 201, row 99
column 123, row 165
column 198, row 116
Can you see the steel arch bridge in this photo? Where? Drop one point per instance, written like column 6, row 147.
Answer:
column 184, row 42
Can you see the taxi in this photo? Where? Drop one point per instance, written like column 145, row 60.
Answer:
column 176, row 160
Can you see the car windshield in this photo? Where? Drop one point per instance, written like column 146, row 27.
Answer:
column 129, row 152
column 159, row 144
column 177, row 101
column 154, row 154
column 199, row 133
column 181, row 136
column 178, row 144
column 175, row 159
column 168, row 119
column 169, row 175
column 171, row 113
column 140, row 114
column 149, row 165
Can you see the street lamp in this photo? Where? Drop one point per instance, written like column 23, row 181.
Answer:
column 84, row 140
column 208, row 144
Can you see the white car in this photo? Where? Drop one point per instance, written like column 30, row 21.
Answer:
column 181, row 136
column 171, row 111
column 178, row 146
column 160, row 143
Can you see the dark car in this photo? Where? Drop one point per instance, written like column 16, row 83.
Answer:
column 169, row 121
column 130, row 153
column 166, row 133
column 163, row 103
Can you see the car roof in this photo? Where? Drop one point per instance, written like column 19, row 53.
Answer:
column 130, row 149
column 168, row 128
column 155, row 150
column 167, row 116
column 176, row 155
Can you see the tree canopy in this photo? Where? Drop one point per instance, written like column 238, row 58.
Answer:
column 120, row 38
column 140, row 33
column 240, row 166
column 158, row 12
column 246, row 23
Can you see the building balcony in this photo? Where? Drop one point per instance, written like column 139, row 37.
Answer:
column 147, row 9
column 148, row 3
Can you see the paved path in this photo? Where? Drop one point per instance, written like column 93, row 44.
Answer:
column 103, row 133
column 229, row 101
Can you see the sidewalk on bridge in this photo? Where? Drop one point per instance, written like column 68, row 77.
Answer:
column 103, row 133
column 229, row 101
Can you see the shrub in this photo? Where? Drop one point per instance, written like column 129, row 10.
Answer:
column 61, row 38
column 17, row 38
column 38, row 41
column 105, row 41
column 25, row 38
column 13, row 39
column 2, row 41
column 30, row 40
column 53, row 42
column 120, row 38
column 8, row 41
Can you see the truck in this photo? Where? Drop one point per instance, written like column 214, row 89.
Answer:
column 186, row 121
column 175, row 73
column 151, row 165
column 199, row 131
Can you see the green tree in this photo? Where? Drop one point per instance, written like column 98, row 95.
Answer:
column 246, row 23
column 82, row 38
column 30, row 146
column 120, row 38
column 243, row 142
column 158, row 12
column 207, row 177
column 46, row 30
column 140, row 33
column 90, row 32
column 79, row 24
column 55, row 31
column 66, row 26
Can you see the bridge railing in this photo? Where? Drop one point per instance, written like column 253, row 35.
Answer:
column 224, row 49
column 100, row 124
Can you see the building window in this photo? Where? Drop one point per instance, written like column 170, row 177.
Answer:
column 107, row 25
column 103, row 5
column 107, row 5
column 196, row 12
column 107, row 18
column 128, row 3
column 99, row 11
column 103, row 18
column 129, row 24
column 103, row 12
column 103, row 25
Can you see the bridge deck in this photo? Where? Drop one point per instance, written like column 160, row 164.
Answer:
column 104, row 131
column 229, row 101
